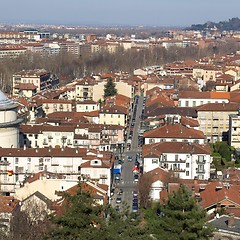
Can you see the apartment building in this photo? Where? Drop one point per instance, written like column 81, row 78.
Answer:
column 19, row 164
column 113, row 115
column 57, row 105
column 40, row 78
column 11, row 51
column 174, row 133
column 185, row 160
column 193, row 98
column 213, row 119
column 234, row 129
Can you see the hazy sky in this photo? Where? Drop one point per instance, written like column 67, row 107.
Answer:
column 120, row 12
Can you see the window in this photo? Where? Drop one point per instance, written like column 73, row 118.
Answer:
column 29, row 160
column 155, row 161
column 187, row 165
column 118, row 116
column 187, row 103
column 194, row 103
column 187, row 173
column 16, row 160
column 201, row 159
column 176, row 157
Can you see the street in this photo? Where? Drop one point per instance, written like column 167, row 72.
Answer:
column 127, row 183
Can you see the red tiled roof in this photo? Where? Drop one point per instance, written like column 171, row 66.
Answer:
column 215, row 193
column 156, row 149
column 174, row 131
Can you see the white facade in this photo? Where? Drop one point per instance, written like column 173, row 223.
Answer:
column 157, row 140
column 184, row 165
column 193, row 102
column 18, row 164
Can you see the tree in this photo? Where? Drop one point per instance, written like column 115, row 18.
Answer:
column 144, row 188
column 178, row 218
column 83, row 218
column 109, row 88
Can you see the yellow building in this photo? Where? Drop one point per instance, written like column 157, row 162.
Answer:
column 113, row 115
column 213, row 119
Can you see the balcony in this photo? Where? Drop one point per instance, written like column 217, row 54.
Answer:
column 177, row 170
column 201, row 161
column 200, row 170
column 4, row 163
column 103, row 176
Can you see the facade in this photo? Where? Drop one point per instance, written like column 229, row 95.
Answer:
column 173, row 133
column 234, row 130
column 123, row 88
column 9, row 123
column 38, row 77
column 113, row 115
column 11, row 51
column 102, row 137
column 87, row 106
column 56, row 105
column 213, row 119
column 184, row 160
column 193, row 99
column 84, row 89
column 19, row 164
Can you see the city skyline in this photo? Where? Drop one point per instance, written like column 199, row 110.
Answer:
column 127, row 13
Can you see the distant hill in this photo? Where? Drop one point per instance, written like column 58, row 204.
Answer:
column 231, row 24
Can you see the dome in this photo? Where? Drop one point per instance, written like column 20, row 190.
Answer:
column 5, row 102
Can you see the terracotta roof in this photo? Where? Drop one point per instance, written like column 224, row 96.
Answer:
column 215, row 193
column 159, row 174
column 204, row 95
column 104, row 164
column 114, row 109
column 8, row 204
column 174, row 131
column 218, row 107
column 26, row 86
column 189, row 122
column 156, row 149
column 183, row 111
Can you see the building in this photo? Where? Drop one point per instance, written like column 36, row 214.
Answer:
column 193, row 98
column 9, row 123
column 234, row 130
column 173, row 133
column 17, row 165
column 40, row 78
column 213, row 119
column 11, row 51
column 185, row 160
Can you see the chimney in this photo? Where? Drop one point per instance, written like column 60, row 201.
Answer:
column 231, row 220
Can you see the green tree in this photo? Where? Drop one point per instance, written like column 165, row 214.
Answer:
column 179, row 218
column 110, row 88
column 84, row 219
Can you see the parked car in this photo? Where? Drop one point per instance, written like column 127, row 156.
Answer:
column 135, row 193
column 129, row 158
column 117, row 208
column 135, row 208
column 118, row 199
column 120, row 191
column 136, row 178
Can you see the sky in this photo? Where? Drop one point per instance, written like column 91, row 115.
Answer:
column 179, row 13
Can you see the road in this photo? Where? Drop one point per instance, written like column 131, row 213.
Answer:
column 127, row 183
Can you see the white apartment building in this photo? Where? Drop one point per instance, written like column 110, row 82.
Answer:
column 16, row 165
column 184, row 160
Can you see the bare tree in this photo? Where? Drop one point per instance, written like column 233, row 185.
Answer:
column 144, row 189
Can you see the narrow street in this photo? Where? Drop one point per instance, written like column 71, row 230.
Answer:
column 127, row 183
